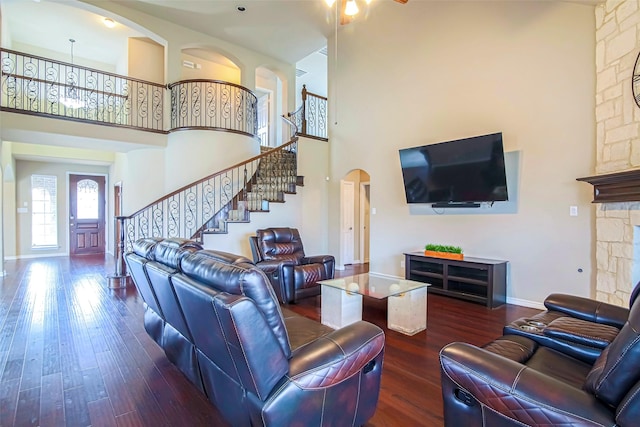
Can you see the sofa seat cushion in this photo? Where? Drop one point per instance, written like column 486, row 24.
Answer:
column 302, row 330
column 559, row 366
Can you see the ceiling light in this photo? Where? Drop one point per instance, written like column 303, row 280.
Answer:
column 330, row 2
column 109, row 23
column 351, row 8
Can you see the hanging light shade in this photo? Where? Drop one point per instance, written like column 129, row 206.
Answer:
column 351, row 8
column 71, row 97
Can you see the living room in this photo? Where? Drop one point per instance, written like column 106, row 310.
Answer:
column 553, row 77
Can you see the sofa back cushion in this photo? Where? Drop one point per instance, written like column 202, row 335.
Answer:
column 170, row 251
column 239, row 278
column 142, row 253
column 231, row 335
column 616, row 369
column 282, row 244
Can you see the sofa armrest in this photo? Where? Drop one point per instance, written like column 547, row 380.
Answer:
column 328, row 261
column 337, row 356
column 588, row 309
column 472, row 375
column 281, row 277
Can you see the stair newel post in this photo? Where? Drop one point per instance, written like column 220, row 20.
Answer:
column 304, row 109
column 245, row 202
column 120, row 276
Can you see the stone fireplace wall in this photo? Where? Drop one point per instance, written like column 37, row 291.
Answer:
column 617, row 144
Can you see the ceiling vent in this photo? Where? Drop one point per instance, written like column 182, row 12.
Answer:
column 300, row 73
column 324, row 51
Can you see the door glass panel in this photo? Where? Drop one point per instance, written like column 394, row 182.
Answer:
column 87, row 191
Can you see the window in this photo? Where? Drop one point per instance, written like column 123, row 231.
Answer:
column 87, row 191
column 44, row 213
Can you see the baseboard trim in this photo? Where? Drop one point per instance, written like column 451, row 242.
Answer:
column 526, row 303
column 29, row 256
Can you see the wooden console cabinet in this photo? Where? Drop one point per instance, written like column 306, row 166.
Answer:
column 475, row 279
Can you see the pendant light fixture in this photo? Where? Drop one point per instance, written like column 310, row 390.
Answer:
column 71, row 97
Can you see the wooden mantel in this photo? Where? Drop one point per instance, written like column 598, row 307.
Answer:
column 615, row 187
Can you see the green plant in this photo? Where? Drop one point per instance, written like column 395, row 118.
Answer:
column 443, row 248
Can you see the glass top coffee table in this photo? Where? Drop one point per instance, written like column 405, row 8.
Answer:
column 406, row 301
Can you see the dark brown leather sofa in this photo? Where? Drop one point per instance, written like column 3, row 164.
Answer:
column 257, row 363
column 516, row 381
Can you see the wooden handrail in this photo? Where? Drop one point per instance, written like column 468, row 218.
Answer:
column 171, row 85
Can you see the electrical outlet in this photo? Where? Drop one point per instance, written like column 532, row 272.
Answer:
column 402, row 263
column 573, row 211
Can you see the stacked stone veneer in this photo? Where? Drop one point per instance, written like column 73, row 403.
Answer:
column 617, row 144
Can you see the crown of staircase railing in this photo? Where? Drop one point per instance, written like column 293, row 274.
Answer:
column 212, row 104
column 311, row 116
column 35, row 85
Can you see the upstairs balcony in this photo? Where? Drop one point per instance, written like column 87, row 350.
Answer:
column 45, row 87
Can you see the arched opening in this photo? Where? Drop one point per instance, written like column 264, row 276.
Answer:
column 354, row 217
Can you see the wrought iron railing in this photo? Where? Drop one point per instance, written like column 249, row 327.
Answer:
column 34, row 85
column 212, row 104
column 311, row 116
column 209, row 204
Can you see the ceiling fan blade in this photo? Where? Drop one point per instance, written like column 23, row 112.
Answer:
column 401, row 1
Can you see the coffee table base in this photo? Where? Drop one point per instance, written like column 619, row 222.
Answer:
column 407, row 313
column 340, row 308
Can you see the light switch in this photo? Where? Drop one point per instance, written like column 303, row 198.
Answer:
column 373, row 211
column 573, row 211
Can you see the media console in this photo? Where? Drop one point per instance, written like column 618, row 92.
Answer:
column 474, row 279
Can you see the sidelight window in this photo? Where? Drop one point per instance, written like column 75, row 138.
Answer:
column 44, row 212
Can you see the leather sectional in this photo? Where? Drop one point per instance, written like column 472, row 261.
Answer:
column 218, row 320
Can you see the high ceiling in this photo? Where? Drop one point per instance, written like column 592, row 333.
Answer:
column 288, row 30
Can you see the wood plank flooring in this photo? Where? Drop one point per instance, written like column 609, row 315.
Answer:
column 74, row 353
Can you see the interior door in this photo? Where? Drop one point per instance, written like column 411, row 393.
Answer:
column 348, row 220
column 365, row 207
column 86, row 214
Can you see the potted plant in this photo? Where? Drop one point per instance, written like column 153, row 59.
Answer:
column 443, row 251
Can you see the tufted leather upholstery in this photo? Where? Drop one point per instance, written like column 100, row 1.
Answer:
column 495, row 386
column 577, row 326
column 248, row 365
column 280, row 254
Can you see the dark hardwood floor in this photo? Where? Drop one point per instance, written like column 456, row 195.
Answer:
column 74, row 352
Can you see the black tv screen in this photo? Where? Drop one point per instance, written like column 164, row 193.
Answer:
column 466, row 170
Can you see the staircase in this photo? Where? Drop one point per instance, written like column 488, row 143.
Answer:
column 274, row 177
column 209, row 205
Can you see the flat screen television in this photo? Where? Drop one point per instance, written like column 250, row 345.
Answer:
column 462, row 172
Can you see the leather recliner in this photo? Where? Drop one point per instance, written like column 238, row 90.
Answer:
column 578, row 326
column 516, row 381
column 280, row 254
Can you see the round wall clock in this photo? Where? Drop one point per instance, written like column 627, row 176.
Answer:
column 635, row 81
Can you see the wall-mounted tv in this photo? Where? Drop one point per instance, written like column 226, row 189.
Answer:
column 462, row 172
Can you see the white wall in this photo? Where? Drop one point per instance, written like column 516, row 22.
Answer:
column 459, row 69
